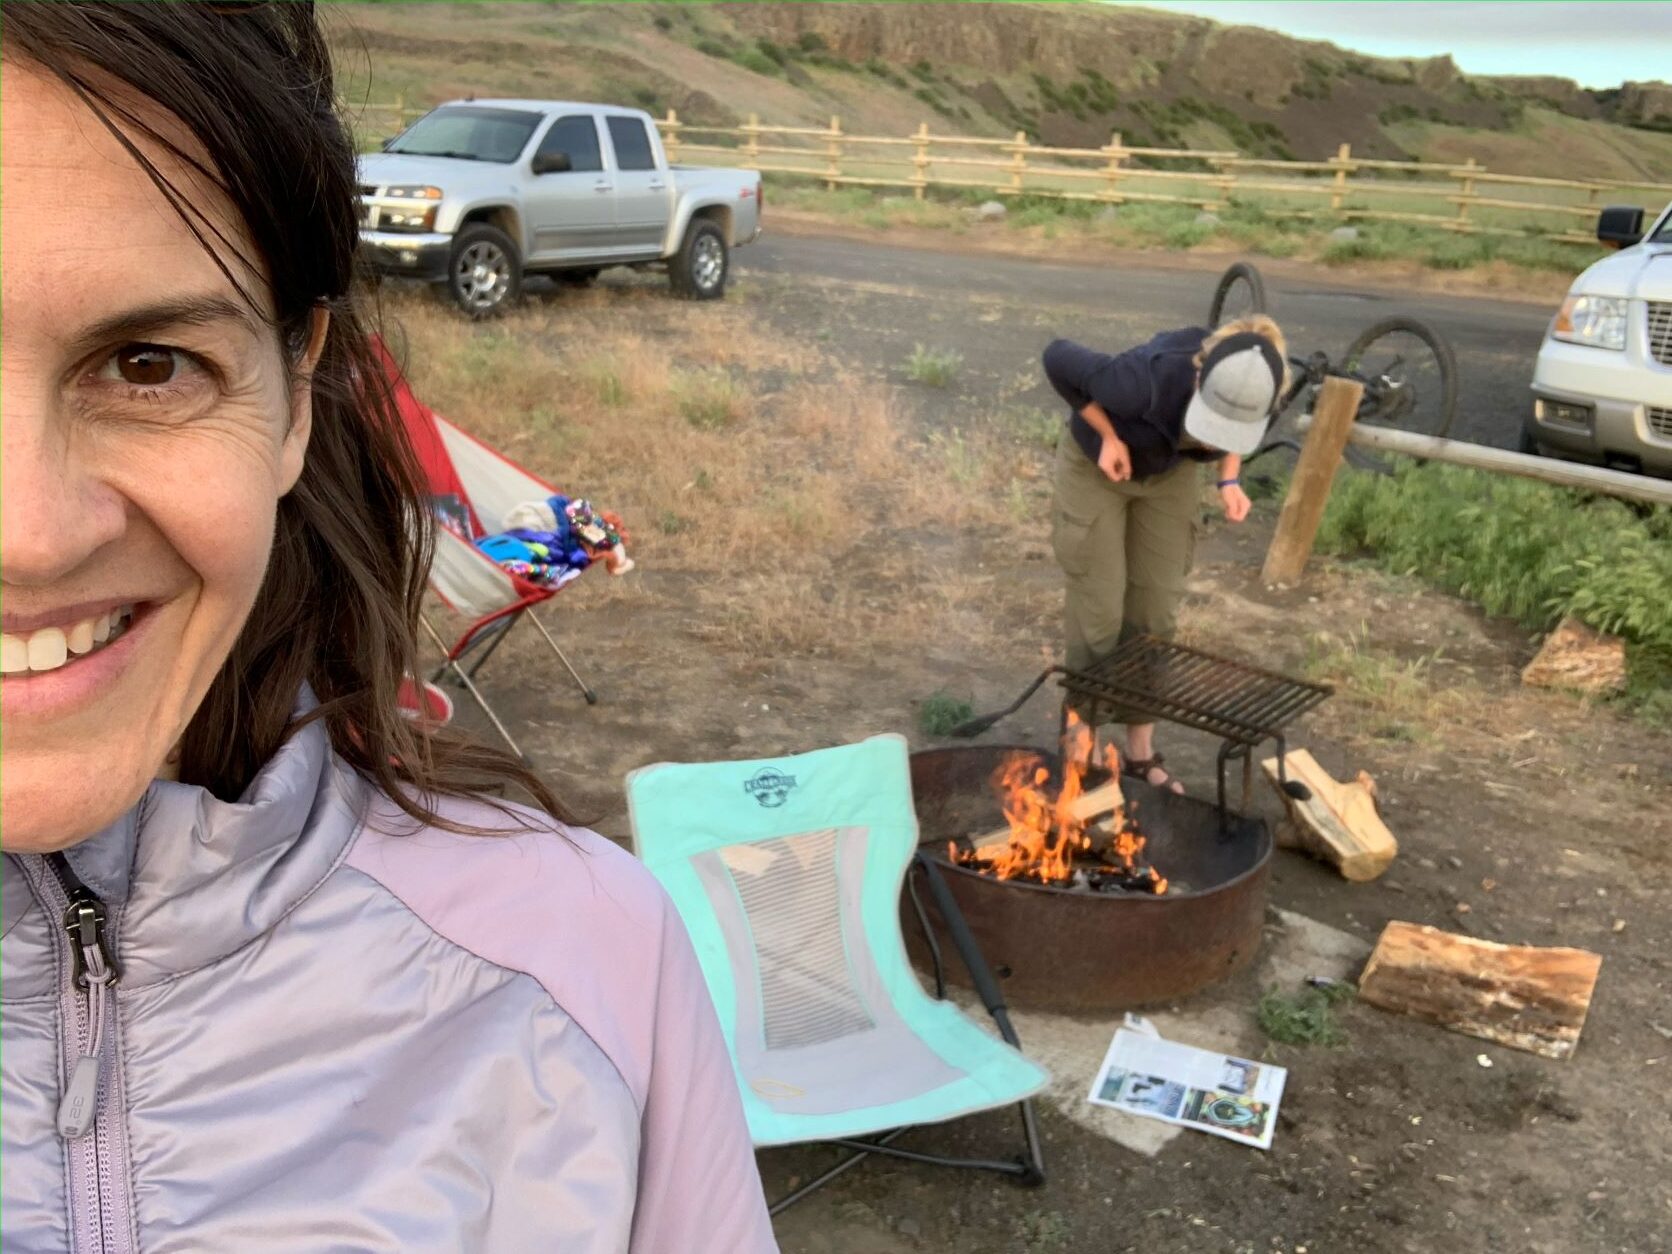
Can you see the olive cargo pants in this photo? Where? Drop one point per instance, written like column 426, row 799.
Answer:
column 1126, row 549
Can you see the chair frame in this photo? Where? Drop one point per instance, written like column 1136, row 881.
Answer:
column 484, row 636
column 1028, row 1168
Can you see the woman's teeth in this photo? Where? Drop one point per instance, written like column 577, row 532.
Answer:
column 52, row 647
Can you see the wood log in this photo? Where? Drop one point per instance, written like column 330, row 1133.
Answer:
column 1086, row 807
column 1517, row 995
column 1339, row 824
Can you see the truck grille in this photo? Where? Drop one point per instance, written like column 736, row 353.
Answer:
column 1660, row 422
column 1660, row 331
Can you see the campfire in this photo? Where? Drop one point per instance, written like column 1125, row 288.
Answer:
column 1077, row 838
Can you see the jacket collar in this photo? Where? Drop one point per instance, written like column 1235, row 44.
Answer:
column 189, row 878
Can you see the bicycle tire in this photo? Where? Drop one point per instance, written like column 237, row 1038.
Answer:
column 1242, row 272
column 1443, row 355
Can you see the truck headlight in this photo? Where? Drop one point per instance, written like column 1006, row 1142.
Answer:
column 413, row 192
column 1597, row 321
column 418, row 218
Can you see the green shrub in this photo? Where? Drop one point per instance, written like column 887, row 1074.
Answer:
column 935, row 368
column 663, row 22
column 757, row 62
column 1306, row 1018
column 811, row 41
column 709, row 400
column 939, row 712
column 714, row 48
column 772, row 51
column 1186, row 235
column 1523, row 549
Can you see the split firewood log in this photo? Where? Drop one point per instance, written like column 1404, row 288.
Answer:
column 1517, row 995
column 1339, row 823
column 1104, row 799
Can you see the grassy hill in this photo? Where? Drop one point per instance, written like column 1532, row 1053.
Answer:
column 1068, row 74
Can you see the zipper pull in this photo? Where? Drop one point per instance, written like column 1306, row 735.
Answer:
column 80, row 1106
column 96, row 971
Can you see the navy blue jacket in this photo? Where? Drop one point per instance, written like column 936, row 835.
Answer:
column 1144, row 390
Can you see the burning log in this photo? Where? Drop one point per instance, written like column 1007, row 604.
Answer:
column 1517, row 995
column 1338, row 823
column 1087, row 807
column 1044, row 834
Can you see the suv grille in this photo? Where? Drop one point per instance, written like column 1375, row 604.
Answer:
column 1660, row 331
column 1660, row 422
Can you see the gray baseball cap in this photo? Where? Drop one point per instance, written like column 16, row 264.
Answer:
column 1235, row 396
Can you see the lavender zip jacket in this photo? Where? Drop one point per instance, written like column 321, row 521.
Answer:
column 332, row 1032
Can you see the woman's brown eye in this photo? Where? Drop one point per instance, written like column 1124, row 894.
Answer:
column 146, row 365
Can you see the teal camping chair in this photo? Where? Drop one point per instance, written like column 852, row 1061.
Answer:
column 787, row 873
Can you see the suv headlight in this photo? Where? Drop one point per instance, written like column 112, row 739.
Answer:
column 1598, row 321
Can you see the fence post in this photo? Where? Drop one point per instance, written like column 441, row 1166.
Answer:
column 920, row 161
column 1320, row 457
column 1019, row 161
column 1467, row 178
column 1343, row 155
column 833, row 154
column 1111, row 172
column 670, row 135
column 752, row 149
column 400, row 111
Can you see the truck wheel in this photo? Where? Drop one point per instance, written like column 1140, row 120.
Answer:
column 698, row 270
column 484, row 272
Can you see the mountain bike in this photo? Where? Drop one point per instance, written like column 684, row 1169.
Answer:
column 1407, row 369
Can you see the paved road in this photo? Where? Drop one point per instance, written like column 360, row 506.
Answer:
column 876, row 301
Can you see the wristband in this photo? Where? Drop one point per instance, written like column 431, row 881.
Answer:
column 1227, row 483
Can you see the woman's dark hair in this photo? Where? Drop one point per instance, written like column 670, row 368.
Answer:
column 339, row 607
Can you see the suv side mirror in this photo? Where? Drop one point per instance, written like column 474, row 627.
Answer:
column 553, row 163
column 1620, row 226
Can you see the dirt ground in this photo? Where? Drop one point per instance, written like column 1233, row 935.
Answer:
column 905, row 554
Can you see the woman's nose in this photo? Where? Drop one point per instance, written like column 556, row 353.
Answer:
column 56, row 511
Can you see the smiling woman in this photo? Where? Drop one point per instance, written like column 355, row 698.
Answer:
column 211, row 577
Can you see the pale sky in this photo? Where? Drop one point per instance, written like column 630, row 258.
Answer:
column 1599, row 43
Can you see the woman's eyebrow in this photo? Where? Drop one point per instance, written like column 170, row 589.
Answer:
column 149, row 320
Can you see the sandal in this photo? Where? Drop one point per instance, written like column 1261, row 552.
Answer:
column 1140, row 768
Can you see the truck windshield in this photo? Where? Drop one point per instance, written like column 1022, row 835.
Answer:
column 469, row 133
column 1664, row 235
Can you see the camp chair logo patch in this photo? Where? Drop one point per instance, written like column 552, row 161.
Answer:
column 769, row 787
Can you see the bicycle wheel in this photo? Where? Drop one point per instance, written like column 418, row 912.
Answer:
column 1241, row 291
column 1409, row 375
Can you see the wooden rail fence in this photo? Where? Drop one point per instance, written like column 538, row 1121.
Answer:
column 1464, row 197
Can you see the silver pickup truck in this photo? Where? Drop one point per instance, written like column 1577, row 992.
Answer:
column 478, row 193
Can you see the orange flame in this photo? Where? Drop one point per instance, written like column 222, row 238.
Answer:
column 1046, row 833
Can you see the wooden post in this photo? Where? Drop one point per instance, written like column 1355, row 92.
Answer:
column 833, row 154
column 1467, row 177
column 400, row 111
column 670, row 135
column 920, row 161
column 1343, row 155
column 1320, row 456
column 1116, row 151
column 752, row 149
column 1019, row 162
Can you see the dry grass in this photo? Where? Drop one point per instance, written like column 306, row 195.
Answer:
column 773, row 482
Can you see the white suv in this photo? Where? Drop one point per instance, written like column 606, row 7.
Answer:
column 1602, row 389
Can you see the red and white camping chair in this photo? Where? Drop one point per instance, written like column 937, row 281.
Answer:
column 475, row 487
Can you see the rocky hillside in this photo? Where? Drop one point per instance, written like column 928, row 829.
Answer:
column 1068, row 74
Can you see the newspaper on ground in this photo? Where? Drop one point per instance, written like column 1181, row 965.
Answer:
column 1143, row 1074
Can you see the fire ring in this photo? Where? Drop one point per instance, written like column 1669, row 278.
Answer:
column 1064, row 949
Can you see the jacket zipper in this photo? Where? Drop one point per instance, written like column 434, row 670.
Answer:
column 94, row 974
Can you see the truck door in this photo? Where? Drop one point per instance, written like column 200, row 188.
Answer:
column 642, row 199
column 571, row 205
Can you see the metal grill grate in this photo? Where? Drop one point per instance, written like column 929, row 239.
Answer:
column 1233, row 700
column 1660, row 331
column 1660, row 422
